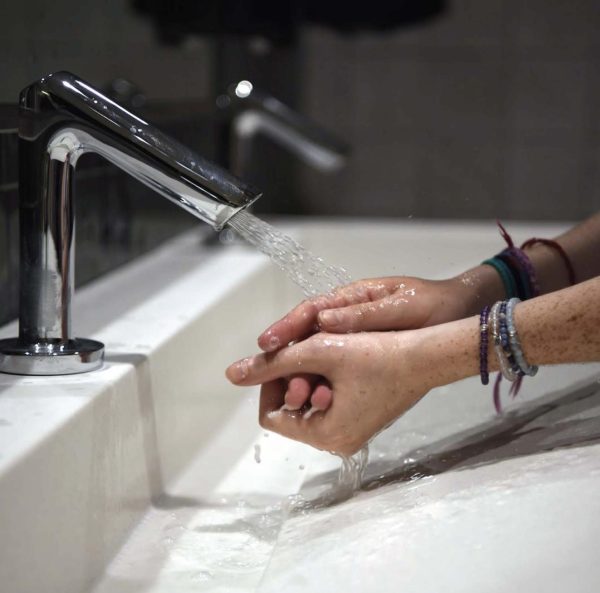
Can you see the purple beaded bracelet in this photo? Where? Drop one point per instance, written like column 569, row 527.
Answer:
column 483, row 345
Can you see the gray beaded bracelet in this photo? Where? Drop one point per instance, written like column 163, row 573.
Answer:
column 515, row 343
column 494, row 325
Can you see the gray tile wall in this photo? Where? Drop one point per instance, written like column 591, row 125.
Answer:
column 99, row 41
column 491, row 111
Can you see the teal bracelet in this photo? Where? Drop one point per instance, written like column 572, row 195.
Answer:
column 510, row 286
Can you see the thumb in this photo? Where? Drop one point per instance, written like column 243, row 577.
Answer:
column 393, row 312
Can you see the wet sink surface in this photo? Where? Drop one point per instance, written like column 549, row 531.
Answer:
column 158, row 478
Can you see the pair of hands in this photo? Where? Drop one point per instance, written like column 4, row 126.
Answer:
column 329, row 383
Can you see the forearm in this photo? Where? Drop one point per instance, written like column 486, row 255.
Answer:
column 563, row 326
column 560, row 327
column 581, row 245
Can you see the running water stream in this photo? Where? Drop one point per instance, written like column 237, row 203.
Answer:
column 311, row 273
column 314, row 276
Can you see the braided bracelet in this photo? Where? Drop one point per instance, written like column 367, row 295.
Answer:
column 559, row 249
column 527, row 266
column 523, row 266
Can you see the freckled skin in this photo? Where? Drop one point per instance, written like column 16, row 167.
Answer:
column 383, row 374
column 398, row 303
column 377, row 376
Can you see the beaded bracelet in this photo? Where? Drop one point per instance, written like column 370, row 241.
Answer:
column 505, row 341
column 483, row 345
column 505, row 369
column 500, row 322
column 515, row 343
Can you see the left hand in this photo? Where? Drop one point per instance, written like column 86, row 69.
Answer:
column 370, row 380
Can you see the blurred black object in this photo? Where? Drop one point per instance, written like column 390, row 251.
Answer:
column 279, row 21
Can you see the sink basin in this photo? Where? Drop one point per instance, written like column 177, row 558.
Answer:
column 152, row 474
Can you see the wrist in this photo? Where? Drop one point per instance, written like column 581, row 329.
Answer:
column 449, row 352
column 476, row 288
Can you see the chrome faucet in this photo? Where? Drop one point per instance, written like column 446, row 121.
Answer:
column 62, row 117
column 256, row 112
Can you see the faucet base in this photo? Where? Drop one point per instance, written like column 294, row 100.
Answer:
column 50, row 358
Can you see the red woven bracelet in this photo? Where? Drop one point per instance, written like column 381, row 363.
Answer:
column 558, row 248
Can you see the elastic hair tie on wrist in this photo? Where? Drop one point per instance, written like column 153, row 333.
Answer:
column 503, row 270
column 520, row 275
column 560, row 250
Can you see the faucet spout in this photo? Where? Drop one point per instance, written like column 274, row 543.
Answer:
column 61, row 118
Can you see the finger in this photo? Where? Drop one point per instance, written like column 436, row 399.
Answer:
column 322, row 396
column 271, row 417
column 299, row 390
column 391, row 312
column 301, row 321
column 297, row 325
column 320, row 400
column 304, row 357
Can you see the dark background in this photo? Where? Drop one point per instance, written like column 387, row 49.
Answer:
column 492, row 109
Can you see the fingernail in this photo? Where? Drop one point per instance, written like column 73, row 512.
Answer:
column 269, row 342
column 238, row 371
column 331, row 318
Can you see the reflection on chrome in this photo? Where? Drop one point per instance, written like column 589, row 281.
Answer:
column 62, row 117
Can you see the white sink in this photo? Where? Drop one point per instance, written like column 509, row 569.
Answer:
column 143, row 476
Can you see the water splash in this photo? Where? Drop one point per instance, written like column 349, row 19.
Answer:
column 314, row 276
column 311, row 273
